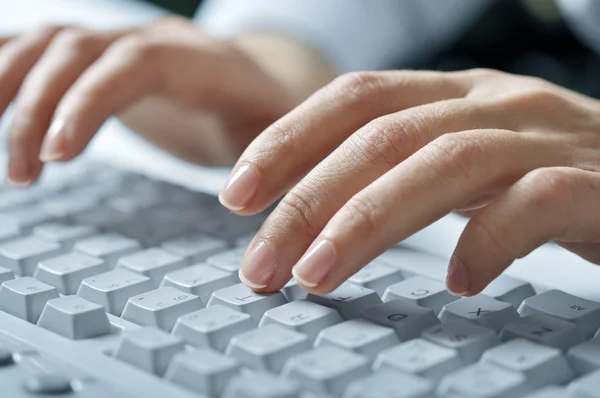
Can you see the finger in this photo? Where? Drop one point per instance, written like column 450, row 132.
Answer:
column 69, row 54
column 518, row 222
column 362, row 158
column 284, row 153
column 428, row 185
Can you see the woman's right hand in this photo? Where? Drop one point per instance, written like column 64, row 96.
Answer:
column 199, row 97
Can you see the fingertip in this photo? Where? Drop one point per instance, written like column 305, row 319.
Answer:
column 54, row 147
column 240, row 189
column 458, row 280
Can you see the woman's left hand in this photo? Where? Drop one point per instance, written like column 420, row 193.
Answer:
column 375, row 157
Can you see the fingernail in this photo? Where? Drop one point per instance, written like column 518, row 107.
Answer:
column 240, row 188
column 258, row 266
column 458, row 280
column 54, row 146
column 316, row 264
column 19, row 168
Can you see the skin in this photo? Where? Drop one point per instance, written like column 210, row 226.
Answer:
column 380, row 155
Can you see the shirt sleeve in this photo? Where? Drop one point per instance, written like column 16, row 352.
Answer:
column 583, row 16
column 353, row 34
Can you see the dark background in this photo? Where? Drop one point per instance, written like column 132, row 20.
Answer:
column 524, row 37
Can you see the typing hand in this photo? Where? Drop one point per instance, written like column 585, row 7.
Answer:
column 201, row 98
column 375, row 157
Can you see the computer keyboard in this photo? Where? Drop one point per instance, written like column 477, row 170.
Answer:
column 115, row 285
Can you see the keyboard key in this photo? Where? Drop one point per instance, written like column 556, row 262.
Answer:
column 481, row 310
column 302, row 316
column 148, row 349
column 349, row 300
column 421, row 291
column 153, row 263
column 241, row 298
column 25, row 297
column 293, row 291
column 483, row 380
column 48, row 384
column 25, row 217
column 376, row 276
column 586, row 386
column 406, row 318
column 150, row 232
column 508, row 289
column 195, row 248
column 64, row 234
column 413, row 263
column 160, row 308
column 585, row 358
column 75, row 318
column 202, row 371
column 326, row 369
column 268, row 347
column 229, row 261
column 22, row 255
column 469, row 340
column 549, row 392
column 544, row 330
column 360, row 336
column 540, row 365
column 585, row 314
column 421, row 358
column 68, row 205
column 9, row 232
column 212, row 327
column 113, row 289
column 260, row 385
column 390, row 383
column 6, row 275
column 109, row 247
column 100, row 217
column 67, row 271
column 200, row 279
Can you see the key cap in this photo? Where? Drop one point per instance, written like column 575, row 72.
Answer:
column 292, row 291
column 508, row 289
column 130, row 203
column 113, row 289
column 75, row 318
column 544, row 330
column 241, row 298
column 67, row 271
column 195, row 248
column 6, row 275
column 212, row 327
column 376, row 276
column 153, row 263
column 202, row 371
column 148, row 349
column 419, row 357
column 200, row 279
column 540, row 365
column 267, row 348
column 22, row 255
column 585, row 314
column 326, row 369
column 349, row 300
column 585, row 357
column 260, row 385
column 469, row 340
column 109, row 247
column 481, row 310
column 63, row 234
column 25, row 297
column 481, row 380
column 422, row 291
column 549, row 392
column 406, row 318
column 360, row 336
column 100, row 217
column 390, row 383
column 150, row 232
column 415, row 263
column 229, row 261
column 68, row 205
column 586, row 386
column 48, row 384
column 25, row 217
column 9, row 232
column 160, row 308
column 302, row 316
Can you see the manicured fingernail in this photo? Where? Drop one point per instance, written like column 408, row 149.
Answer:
column 458, row 280
column 258, row 266
column 316, row 264
column 19, row 168
column 240, row 189
column 54, row 146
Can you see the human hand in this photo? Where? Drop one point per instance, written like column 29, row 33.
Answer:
column 199, row 97
column 375, row 157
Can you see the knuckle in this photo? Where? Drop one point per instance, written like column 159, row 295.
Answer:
column 549, row 182
column 76, row 39
column 356, row 87
column 280, row 141
column 539, row 96
column 47, row 31
column 484, row 73
column 361, row 213
column 454, row 156
column 297, row 210
column 140, row 48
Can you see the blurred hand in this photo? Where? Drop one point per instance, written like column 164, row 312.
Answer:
column 201, row 98
column 375, row 157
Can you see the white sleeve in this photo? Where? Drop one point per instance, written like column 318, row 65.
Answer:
column 353, row 34
column 583, row 16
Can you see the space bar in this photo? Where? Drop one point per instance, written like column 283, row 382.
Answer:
column 121, row 376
